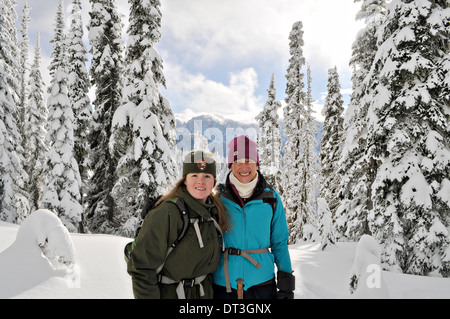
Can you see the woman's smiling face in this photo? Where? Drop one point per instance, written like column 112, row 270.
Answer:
column 245, row 170
column 199, row 185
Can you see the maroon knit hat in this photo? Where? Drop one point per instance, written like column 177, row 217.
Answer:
column 242, row 147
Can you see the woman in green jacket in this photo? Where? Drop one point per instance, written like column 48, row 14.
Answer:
column 187, row 270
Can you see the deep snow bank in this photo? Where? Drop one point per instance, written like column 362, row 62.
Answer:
column 45, row 261
column 43, row 249
column 328, row 273
column 92, row 266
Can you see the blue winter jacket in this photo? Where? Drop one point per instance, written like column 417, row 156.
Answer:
column 254, row 225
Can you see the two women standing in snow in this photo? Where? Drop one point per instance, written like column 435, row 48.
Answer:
column 239, row 256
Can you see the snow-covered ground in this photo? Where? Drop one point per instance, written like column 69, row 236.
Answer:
column 92, row 266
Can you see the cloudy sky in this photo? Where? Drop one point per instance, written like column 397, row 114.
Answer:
column 219, row 55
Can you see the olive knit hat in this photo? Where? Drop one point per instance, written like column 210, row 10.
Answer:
column 199, row 162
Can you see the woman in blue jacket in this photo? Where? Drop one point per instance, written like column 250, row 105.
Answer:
column 259, row 233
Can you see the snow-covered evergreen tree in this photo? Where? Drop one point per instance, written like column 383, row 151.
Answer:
column 162, row 109
column 325, row 223
column 78, row 86
column 146, row 167
column 356, row 169
column 295, row 99
column 105, row 37
column 35, row 130
column 14, row 204
column 61, row 193
column 10, row 47
column 299, row 149
column 10, row 159
column 269, row 142
column 312, row 175
column 409, row 136
column 331, row 139
column 24, row 42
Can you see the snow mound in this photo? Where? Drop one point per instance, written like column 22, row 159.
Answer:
column 43, row 249
column 366, row 275
column 45, row 230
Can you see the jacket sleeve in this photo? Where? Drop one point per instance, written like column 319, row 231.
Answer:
column 279, row 237
column 149, row 253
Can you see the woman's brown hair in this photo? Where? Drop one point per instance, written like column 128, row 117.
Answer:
column 180, row 187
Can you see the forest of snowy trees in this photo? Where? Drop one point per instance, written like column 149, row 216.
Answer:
column 93, row 163
column 384, row 162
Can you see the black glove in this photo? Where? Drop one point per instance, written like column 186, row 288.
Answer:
column 285, row 285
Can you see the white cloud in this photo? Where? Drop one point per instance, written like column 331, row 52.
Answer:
column 329, row 32
column 213, row 30
column 197, row 94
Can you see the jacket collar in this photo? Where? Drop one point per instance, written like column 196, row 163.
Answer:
column 197, row 207
column 231, row 193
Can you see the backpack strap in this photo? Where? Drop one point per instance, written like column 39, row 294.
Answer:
column 185, row 283
column 184, row 213
column 195, row 222
column 268, row 197
column 185, row 218
column 242, row 253
column 272, row 201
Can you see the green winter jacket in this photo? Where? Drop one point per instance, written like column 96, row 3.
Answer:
column 187, row 261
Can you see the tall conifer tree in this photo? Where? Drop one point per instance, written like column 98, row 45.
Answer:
column 295, row 99
column 105, row 37
column 270, row 139
column 35, row 129
column 298, row 148
column 78, row 86
column 331, row 139
column 61, row 193
column 311, row 175
column 141, row 128
column 14, row 204
column 409, row 136
column 356, row 168
column 24, row 42
column 10, row 47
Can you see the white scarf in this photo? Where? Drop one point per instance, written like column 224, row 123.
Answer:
column 244, row 190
